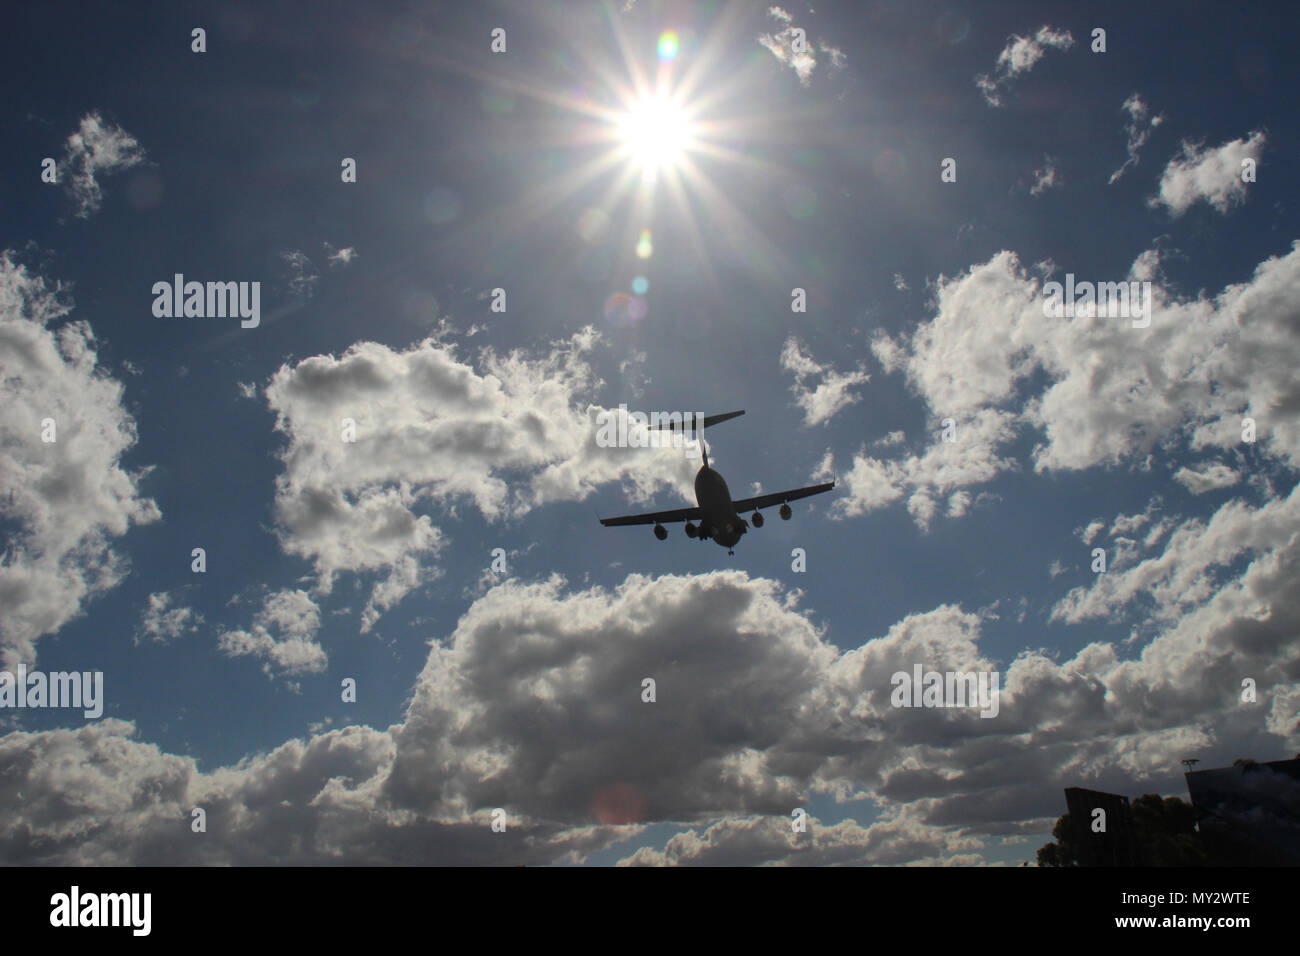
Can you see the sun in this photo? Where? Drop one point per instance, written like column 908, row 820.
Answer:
column 656, row 133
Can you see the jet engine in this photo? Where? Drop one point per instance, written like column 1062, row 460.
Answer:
column 786, row 512
column 661, row 532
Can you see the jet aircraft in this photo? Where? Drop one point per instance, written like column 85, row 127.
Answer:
column 715, row 510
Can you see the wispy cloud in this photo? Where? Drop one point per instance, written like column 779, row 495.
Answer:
column 1019, row 56
column 339, row 257
column 302, row 276
column 1046, row 177
column 96, row 149
column 791, row 47
column 1139, row 127
column 1210, row 478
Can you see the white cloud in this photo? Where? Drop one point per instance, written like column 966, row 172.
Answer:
column 339, row 257
column 821, row 401
column 1211, row 478
column 1210, row 174
column 514, row 433
column 937, row 472
column 1045, row 178
column 899, row 282
column 771, row 841
column 1089, row 534
column 1110, row 393
column 1138, row 129
column 162, row 622
column 302, row 276
column 96, row 149
column 283, row 633
column 803, row 61
column 1019, row 56
column 532, row 704
column 68, row 498
column 1188, row 576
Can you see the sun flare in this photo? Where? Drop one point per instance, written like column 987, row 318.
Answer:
column 656, row 133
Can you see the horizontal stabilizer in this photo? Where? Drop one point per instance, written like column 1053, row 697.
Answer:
column 708, row 421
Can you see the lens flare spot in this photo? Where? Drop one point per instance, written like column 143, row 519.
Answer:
column 640, row 285
column 622, row 309
column 800, row 201
column 644, row 246
column 668, row 46
column 442, row 206
column 889, row 166
column 618, row 804
column 592, row 225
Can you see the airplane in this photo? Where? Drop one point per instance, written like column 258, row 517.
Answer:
column 715, row 510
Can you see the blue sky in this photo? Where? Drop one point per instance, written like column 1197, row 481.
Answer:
column 481, row 170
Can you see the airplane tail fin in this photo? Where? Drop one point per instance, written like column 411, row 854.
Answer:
column 698, row 425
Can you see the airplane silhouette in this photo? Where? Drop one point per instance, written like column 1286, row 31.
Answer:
column 715, row 510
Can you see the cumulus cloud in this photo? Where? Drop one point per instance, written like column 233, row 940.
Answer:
column 1213, row 175
column 162, row 622
column 935, row 474
column 1105, row 392
column 95, row 150
column 791, row 47
column 1190, row 569
column 1019, row 56
column 819, row 401
column 1138, row 129
column 533, row 704
column 283, row 634
column 67, row 498
column 772, row 841
column 505, row 437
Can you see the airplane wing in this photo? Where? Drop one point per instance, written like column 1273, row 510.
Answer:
column 780, row 497
column 658, row 517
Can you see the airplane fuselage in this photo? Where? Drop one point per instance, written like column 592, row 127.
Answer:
column 718, row 520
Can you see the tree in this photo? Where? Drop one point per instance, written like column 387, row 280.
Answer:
column 1063, row 851
column 1165, row 830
